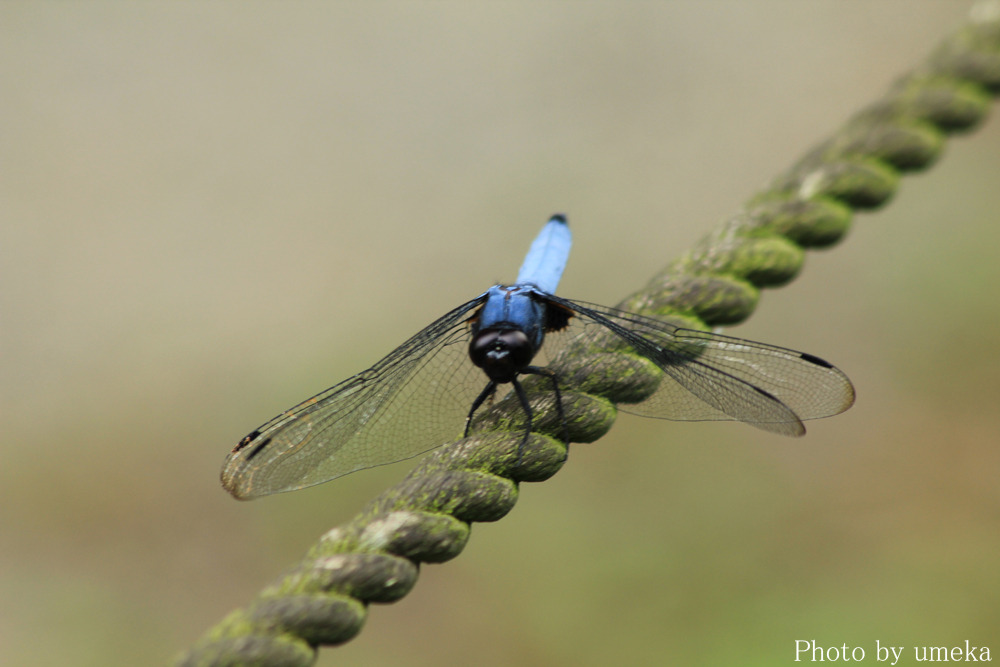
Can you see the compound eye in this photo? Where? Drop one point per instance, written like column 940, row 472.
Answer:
column 481, row 345
column 501, row 354
column 518, row 347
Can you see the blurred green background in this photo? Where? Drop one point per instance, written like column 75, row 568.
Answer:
column 213, row 211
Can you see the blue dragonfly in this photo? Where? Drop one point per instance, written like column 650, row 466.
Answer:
column 416, row 398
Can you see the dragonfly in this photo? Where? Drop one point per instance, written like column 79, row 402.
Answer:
column 432, row 389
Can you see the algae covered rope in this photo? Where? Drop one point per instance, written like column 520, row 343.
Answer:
column 374, row 558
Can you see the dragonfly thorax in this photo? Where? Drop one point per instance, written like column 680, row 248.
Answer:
column 501, row 353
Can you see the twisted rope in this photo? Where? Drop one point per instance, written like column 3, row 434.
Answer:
column 425, row 519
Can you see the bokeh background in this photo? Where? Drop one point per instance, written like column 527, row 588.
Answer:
column 213, row 211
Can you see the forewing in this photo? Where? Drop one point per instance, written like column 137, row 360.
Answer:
column 413, row 400
column 703, row 376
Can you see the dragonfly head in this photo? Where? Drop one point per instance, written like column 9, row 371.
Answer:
column 501, row 352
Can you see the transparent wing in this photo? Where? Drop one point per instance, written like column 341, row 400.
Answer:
column 700, row 376
column 413, row 400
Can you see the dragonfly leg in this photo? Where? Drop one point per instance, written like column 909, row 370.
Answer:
column 545, row 372
column 491, row 387
column 523, row 397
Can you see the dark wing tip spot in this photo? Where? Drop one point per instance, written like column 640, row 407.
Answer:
column 559, row 217
column 815, row 360
column 258, row 448
column 246, row 441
